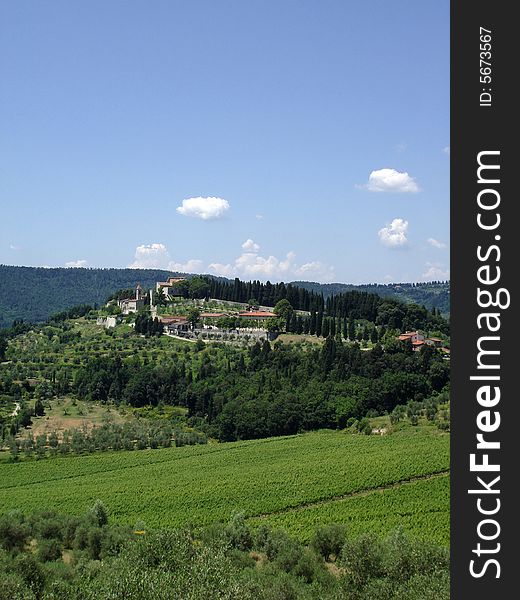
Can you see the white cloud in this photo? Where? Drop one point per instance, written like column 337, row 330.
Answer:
column 394, row 235
column 446, row 150
column 222, row 270
column 253, row 266
column 156, row 256
column 193, row 265
column 15, row 247
column 316, row 270
column 250, row 265
column 401, row 147
column 259, row 217
column 76, row 263
column 203, row 208
column 150, row 256
column 390, row 180
column 435, row 243
column 250, row 246
column 435, row 272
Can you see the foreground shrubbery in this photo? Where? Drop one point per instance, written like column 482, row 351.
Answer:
column 49, row 556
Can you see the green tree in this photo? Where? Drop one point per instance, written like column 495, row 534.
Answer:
column 99, row 513
column 351, row 330
column 39, row 409
column 14, row 449
column 283, row 309
column 3, row 348
column 193, row 317
column 160, row 297
column 198, row 287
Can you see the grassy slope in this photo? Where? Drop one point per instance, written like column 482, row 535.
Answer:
column 278, row 478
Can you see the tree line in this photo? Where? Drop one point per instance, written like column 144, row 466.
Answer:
column 352, row 305
column 135, row 435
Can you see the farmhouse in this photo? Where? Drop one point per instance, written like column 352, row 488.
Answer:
column 175, row 325
column 418, row 340
column 132, row 305
column 411, row 336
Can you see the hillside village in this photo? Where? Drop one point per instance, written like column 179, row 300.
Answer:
column 217, row 319
column 241, row 320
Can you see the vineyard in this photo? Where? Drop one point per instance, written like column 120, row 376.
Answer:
column 369, row 482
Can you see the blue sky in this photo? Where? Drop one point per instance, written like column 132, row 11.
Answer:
column 268, row 139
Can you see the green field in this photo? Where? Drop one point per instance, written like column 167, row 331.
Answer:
column 370, row 482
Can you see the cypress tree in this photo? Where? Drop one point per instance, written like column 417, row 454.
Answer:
column 319, row 323
column 351, row 330
column 325, row 328
column 312, row 323
column 332, row 327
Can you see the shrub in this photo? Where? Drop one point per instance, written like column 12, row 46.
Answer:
column 31, row 572
column 14, row 532
column 238, row 534
column 329, row 540
column 99, row 513
column 363, row 560
column 14, row 587
column 272, row 542
column 48, row 550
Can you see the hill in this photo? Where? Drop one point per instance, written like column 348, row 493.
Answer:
column 35, row 293
column 435, row 294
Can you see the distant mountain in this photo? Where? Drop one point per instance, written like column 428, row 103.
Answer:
column 35, row 293
column 432, row 294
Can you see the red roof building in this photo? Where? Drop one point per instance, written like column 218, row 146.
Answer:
column 256, row 314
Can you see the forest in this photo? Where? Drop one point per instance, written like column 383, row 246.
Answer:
column 264, row 391
column 433, row 294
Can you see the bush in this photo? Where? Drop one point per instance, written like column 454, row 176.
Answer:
column 272, row 542
column 237, row 533
column 14, row 588
column 94, row 543
column 47, row 525
column 405, row 557
column 14, row 532
column 48, row 550
column 99, row 513
column 31, row 572
column 329, row 540
column 425, row 587
column 363, row 560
